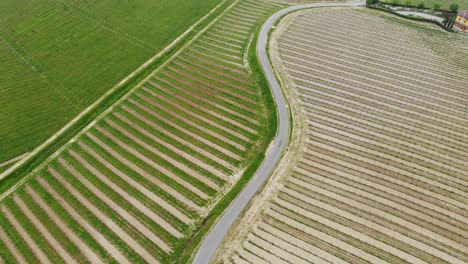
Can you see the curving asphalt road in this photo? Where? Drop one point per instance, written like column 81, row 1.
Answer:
column 216, row 235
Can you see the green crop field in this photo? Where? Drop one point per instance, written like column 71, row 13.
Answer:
column 138, row 185
column 58, row 57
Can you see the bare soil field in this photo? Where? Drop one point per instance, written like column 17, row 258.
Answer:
column 137, row 184
column 381, row 176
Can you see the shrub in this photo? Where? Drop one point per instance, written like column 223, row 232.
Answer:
column 408, row 2
column 421, row 5
column 371, row 2
column 436, row 6
column 454, row 8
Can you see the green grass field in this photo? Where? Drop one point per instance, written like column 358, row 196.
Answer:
column 60, row 56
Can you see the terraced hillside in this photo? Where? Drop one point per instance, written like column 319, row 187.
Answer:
column 136, row 186
column 381, row 176
column 60, row 56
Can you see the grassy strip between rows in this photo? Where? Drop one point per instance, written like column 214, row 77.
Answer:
column 184, row 254
column 25, row 169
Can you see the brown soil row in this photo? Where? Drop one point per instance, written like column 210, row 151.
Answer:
column 11, row 247
column 210, row 86
column 402, row 96
column 414, row 134
column 396, row 156
column 412, row 110
column 413, row 54
column 372, row 52
column 43, row 231
column 209, row 110
column 58, row 221
column 262, row 253
column 356, row 54
column 210, row 68
column 231, row 82
column 406, row 204
column 310, row 250
column 185, row 117
column 151, row 195
column 98, row 236
column 126, row 238
column 347, row 158
column 381, row 230
column 293, row 253
column 230, row 47
column 155, row 151
column 215, row 75
column 129, row 198
column 148, row 176
column 359, row 239
column 281, row 256
column 390, row 167
column 402, row 143
column 329, row 239
column 178, row 151
column 41, row 256
column 424, row 120
column 341, row 108
column 176, row 126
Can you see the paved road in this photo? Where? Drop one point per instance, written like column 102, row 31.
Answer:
column 216, row 235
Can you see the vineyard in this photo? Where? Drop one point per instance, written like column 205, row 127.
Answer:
column 382, row 175
column 138, row 184
column 58, row 57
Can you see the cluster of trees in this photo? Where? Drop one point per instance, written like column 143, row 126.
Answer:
column 452, row 16
column 436, row 6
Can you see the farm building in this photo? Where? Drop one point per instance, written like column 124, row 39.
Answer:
column 461, row 22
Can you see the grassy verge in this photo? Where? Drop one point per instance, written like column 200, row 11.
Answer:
column 414, row 18
column 26, row 168
column 185, row 253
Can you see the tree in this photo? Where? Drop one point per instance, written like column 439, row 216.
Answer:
column 421, row 5
column 452, row 21
column 436, row 6
column 454, row 8
column 371, row 2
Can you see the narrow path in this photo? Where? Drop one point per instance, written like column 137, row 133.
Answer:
column 216, row 235
column 13, row 160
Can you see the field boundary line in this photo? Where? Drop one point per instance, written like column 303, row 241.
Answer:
column 213, row 240
column 13, row 159
column 116, row 103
